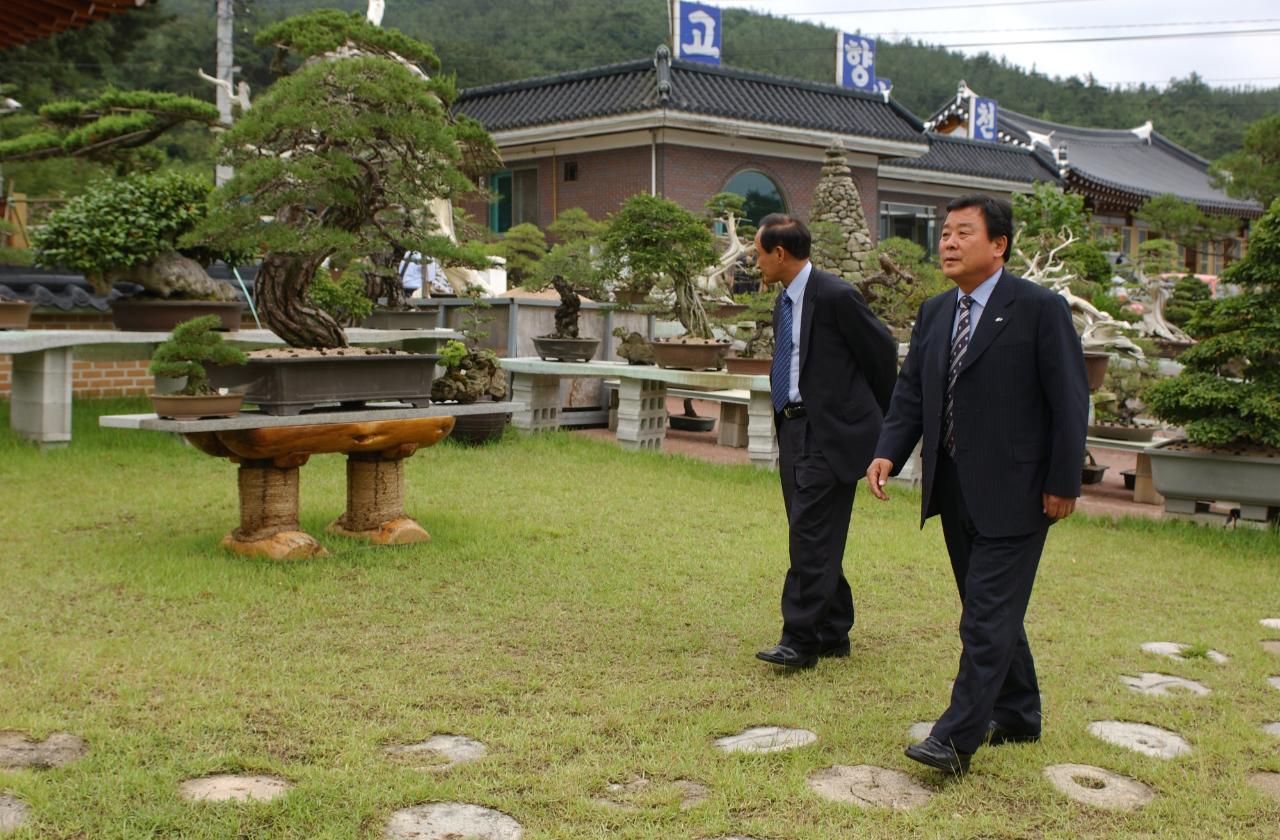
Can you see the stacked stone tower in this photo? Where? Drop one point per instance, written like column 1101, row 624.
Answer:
column 836, row 202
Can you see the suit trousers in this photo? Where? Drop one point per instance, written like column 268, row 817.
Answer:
column 817, row 603
column 997, row 675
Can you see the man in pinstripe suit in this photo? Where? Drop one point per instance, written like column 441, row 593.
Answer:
column 994, row 382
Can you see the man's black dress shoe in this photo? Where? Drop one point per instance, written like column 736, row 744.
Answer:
column 998, row 734
column 836, row 651
column 934, row 753
column 785, row 656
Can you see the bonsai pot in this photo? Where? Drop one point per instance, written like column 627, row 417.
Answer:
column 1095, row 367
column 197, row 406
column 552, row 347
column 478, row 429
column 727, row 310
column 423, row 318
column 760, row 366
column 1191, row 473
column 1130, row 478
column 145, row 315
column 1092, row 471
column 289, row 385
column 696, row 423
column 1118, row 432
column 689, row 354
column 15, row 314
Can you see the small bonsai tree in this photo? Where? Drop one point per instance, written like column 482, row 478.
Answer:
column 342, row 157
column 1228, row 393
column 1189, row 293
column 1119, row 400
column 469, row 374
column 651, row 239
column 127, row 229
column 192, row 345
column 757, row 341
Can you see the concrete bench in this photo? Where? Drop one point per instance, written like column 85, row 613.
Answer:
column 269, row 451
column 40, row 399
column 1144, row 490
column 734, row 410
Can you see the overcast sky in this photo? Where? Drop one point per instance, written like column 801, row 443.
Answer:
column 1223, row 61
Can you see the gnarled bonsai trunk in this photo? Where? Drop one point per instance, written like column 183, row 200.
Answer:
column 281, row 291
column 690, row 311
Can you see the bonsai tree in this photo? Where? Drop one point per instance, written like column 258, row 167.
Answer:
column 1189, row 292
column 570, row 267
column 1119, row 400
column 1228, row 393
column 341, row 158
column 651, row 239
column 757, row 341
column 523, row 246
column 127, row 229
column 898, row 277
column 192, row 345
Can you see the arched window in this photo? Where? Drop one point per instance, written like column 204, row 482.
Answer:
column 761, row 193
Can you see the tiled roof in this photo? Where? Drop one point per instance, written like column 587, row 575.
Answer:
column 65, row 291
column 984, row 160
column 695, row 89
column 1121, row 161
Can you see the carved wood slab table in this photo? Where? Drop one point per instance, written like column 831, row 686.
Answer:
column 270, row 450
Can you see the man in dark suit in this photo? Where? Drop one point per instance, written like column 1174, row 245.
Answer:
column 832, row 376
column 995, row 383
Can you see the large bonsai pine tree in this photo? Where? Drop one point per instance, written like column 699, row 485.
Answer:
column 337, row 161
column 1229, row 390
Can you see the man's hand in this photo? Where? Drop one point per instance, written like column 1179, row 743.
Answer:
column 877, row 474
column 1055, row 507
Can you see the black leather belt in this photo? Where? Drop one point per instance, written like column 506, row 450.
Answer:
column 793, row 410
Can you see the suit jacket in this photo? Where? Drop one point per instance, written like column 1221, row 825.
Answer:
column 1021, row 405
column 847, row 364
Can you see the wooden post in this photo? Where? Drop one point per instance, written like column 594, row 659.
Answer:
column 375, row 500
column 269, row 514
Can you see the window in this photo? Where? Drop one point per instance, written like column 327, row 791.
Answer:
column 514, row 199
column 571, row 170
column 917, row 222
column 760, row 192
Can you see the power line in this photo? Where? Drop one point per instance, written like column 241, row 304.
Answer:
column 1163, row 36
column 914, row 32
column 987, row 5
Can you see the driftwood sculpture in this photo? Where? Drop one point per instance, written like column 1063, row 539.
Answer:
column 567, row 311
column 633, row 347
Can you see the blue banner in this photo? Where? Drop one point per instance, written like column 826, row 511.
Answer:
column 984, row 119
column 697, row 29
column 883, row 85
column 857, row 62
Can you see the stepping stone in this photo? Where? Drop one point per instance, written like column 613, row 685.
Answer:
column 440, row 752
column 920, row 730
column 229, row 788
column 692, row 793
column 1275, row 682
column 451, row 821
column 1266, row 783
column 1272, row 728
column 869, row 787
column 1174, row 650
column 13, row 813
column 1270, row 623
column 766, row 739
column 1141, row 737
column 18, row 751
column 1271, row 646
column 1163, row 685
column 1099, row 788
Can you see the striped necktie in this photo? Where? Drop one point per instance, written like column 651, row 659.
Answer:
column 780, row 373
column 959, row 344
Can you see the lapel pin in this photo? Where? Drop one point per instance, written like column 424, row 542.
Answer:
column 998, row 320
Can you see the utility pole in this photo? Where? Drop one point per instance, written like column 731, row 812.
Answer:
column 224, row 71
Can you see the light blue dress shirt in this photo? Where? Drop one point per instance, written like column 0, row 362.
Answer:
column 980, row 296
column 796, row 292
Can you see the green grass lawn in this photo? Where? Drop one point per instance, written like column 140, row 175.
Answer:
column 591, row 615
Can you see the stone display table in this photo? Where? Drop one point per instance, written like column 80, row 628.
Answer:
column 1144, row 490
column 40, row 403
column 270, row 450
column 642, row 400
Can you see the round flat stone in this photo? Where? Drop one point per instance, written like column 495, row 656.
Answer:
column 451, row 820
column 1175, row 650
column 13, row 813
column 1272, row 728
column 620, row 792
column 18, row 751
column 1141, row 737
column 1099, row 788
column 1266, row 783
column 766, row 739
column 440, row 751
column 869, row 787
column 1275, row 682
column 1163, row 685
column 920, row 730
column 692, row 794
column 229, row 788
column 1271, row 646
column 1270, row 623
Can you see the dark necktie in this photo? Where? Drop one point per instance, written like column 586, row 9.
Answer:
column 780, row 373
column 958, row 345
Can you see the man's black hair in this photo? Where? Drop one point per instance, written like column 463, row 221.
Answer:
column 788, row 231
column 997, row 214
